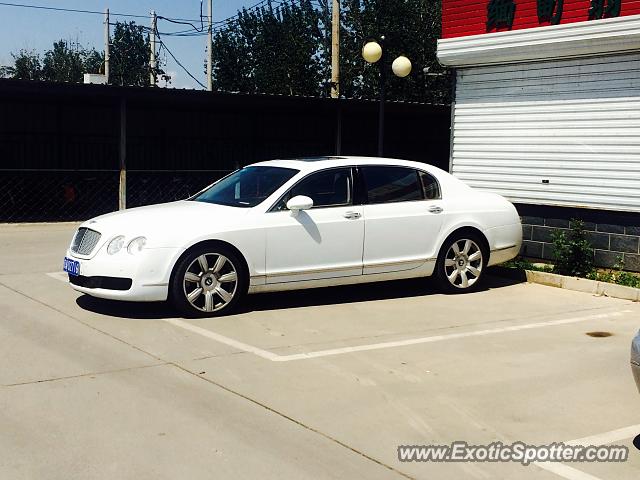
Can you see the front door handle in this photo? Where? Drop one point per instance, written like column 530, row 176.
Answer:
column 352, row 215
column 435, row 209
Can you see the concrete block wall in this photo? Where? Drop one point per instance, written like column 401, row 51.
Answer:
column 613, row 236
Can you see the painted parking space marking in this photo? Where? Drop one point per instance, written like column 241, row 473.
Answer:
column 379, row 346
column 607, row 437
column 222, row 339
column 267, row 355
column 571, row 473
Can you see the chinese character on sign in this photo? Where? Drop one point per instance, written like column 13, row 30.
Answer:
column 598, row 9
column 550, row 11
column 500, row 14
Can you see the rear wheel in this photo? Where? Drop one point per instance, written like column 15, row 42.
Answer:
column 209, row 281
column 461, row 263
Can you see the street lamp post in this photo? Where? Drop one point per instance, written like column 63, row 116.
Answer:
column 373, row 52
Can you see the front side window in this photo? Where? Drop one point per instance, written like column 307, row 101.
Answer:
column 246, row 187
column 328, row 188
column 391, row 184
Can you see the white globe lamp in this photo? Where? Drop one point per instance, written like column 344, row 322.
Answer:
column 401, row 66
column 372, row 52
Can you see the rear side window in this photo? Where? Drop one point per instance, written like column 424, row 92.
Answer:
column 391, row 184
column 430, row 186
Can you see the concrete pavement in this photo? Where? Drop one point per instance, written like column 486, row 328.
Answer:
column 96, row 389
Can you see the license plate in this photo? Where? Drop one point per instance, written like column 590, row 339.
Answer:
column 72, row 267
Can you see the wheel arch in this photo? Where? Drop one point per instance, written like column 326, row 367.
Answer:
column 212, row 243
column 469, row 230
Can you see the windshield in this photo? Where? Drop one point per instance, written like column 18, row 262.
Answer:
column 246, row 187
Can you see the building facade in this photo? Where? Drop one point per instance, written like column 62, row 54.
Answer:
column 547, row 113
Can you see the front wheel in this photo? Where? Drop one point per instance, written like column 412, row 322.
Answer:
column 460, row 264
column 209, row 281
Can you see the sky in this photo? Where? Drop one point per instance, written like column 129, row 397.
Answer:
column 26, row 28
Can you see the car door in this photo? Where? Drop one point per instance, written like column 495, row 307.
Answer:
column 325, row 241
column 403, row 216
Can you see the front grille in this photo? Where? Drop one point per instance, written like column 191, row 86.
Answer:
column 85, row 241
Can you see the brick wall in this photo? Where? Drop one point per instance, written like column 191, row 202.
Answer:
column 611, row 241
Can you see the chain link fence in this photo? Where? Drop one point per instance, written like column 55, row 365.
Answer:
column 76, row 195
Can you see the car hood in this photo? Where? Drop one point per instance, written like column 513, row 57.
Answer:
column 163, row 224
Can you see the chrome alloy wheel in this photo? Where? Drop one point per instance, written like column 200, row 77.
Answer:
column 463, row 263
column 210, row 282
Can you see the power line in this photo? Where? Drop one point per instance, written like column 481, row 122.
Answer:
column 221, row 25
column 91, row 12
column 164, row 45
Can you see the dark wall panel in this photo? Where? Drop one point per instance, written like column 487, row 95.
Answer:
column 59, row 143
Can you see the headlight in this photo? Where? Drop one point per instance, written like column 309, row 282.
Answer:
column 115, row 245
column 136, row 245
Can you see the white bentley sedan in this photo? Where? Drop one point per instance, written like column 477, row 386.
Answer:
column 293, row 224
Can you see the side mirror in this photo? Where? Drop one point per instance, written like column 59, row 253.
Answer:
column 299, row 202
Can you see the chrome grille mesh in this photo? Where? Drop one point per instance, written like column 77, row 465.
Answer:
column 85, row 241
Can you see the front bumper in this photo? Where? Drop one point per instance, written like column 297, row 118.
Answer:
column 148, row 270
column 635, row 359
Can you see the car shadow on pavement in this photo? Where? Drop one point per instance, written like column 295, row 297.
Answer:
column 415, row 287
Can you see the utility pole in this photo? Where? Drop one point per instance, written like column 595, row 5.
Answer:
column 107, row 41
column 154, row 20
column 209, row 46
column 335, row 49
column 383, row 94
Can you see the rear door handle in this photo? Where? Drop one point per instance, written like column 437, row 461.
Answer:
column 435, row 209
column 352, row 215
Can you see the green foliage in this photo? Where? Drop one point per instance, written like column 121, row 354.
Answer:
column 573, row 253
column 93, row 61
column 410, row 28
column 271, row 50
column 26, row 66
column 520, row 263
column 65, row 62
column 68, row 62
column 131, row 56
column 616, row 275
column 287, row 50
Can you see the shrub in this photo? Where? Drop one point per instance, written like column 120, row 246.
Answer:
column 573, row 254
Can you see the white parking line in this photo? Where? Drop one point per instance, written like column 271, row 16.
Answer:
column 362, row 348
column 439, row 338
column 378, row 346
column 222, row 339
column 605, row 438
column 608, row 437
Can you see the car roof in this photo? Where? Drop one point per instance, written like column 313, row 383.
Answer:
column 308, row 164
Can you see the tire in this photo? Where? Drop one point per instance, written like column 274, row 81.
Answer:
column 209, row 281
column 462, row 270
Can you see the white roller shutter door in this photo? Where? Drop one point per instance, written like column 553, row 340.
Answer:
column 563, row 132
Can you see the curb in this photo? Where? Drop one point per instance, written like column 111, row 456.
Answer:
column 577, row 284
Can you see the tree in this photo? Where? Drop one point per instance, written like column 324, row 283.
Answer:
column 26, row 66
column 411, row 28
column 287, row 49
column 131, row 56
column 63, row 63
column 271, row 50
column 67, row 61
column 93, row 61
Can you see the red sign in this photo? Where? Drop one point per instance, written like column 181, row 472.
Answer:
column 471, row 17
